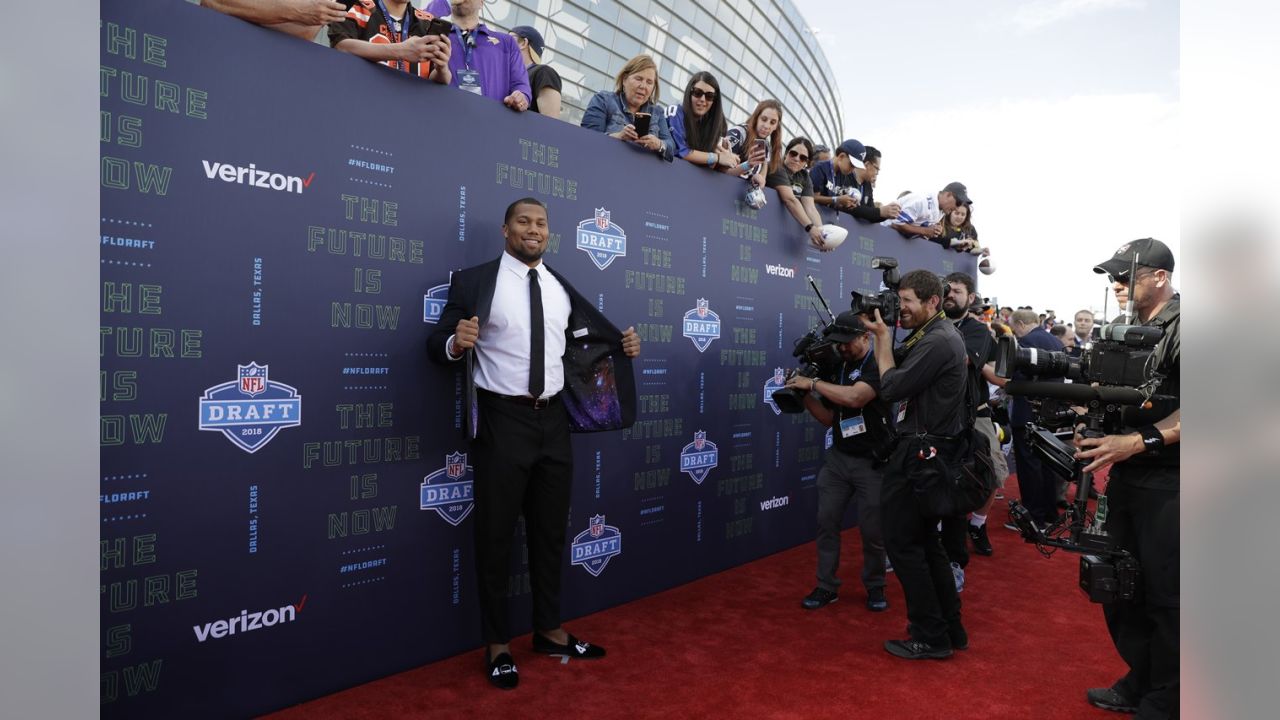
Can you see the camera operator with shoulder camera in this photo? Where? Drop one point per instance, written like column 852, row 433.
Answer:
column 926, row 374
column 1142, row 492
column 846, row 401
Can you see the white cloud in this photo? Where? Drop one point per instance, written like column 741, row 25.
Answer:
column 1039, row 13
column 1057, row 184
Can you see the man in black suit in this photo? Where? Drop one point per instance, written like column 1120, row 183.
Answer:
column 541, row 362
column 1036, row 485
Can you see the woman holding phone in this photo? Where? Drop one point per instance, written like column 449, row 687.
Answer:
column 758, row 143
column 698, row 126
column 630, row 112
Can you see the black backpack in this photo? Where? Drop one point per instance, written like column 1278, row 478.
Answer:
column 960, row 482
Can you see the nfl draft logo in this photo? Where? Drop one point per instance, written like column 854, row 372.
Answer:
column 433, row 303
column 773, row 385
column 702, row 325
column 449, row 490
column 593, row 547
column 251, row 409
column 601, row 239
column 698, row 457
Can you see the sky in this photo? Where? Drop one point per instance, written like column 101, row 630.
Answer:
column 1061, row 117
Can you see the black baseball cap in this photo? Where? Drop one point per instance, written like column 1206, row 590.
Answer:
column 846, row 327
column 960, row 191
column 1149, row 253
column 534, row 37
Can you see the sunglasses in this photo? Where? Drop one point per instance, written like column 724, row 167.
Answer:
column 798, row 156
column 1126, row 281
column 699, row 93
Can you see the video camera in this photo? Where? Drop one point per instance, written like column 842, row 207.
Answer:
column 1115, row 372
column 1118, row 358
column 886, row 301
column 816, row 351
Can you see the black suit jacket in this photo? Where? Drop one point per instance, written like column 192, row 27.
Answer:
column 599, row 383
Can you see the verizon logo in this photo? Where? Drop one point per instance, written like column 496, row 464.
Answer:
column 247, row 621
column 780, row 271
column 255, row 177
column 775, row 503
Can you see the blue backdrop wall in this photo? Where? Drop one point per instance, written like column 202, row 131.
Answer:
column 284, row 489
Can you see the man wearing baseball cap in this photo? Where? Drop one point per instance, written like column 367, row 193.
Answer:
column 846, row 182
column 543, row 79
column 922, row 214
column 1142, row 492
column 846, row 399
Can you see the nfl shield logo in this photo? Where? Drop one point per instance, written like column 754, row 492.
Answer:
column 253, row 378
column 450, row 490
column 592, row 548
column 601, row 239
column 773, row 385
column 455, row 465
column 699, row 457
column 701, row 325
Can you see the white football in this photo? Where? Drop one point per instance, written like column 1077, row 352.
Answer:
column 833, row 235
column 986, row 267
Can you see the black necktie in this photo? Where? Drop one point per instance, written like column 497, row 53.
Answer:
column 537, row 344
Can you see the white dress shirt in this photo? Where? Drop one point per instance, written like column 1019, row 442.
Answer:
column 502, row 352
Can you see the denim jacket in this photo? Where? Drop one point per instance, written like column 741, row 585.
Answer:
column 607, row 113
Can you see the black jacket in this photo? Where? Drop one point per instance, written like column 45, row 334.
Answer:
column 599, row 383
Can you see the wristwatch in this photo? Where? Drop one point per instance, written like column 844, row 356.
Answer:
column 808, row 227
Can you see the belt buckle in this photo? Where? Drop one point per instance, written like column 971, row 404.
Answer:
column 540, row 403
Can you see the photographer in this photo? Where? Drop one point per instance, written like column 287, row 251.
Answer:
column 846, row 401
column 1142, row 494
column 959, row 300
column 927, row 375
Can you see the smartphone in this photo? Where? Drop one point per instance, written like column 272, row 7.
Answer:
column 439, row 27
column 642, row 124
column 762, row 144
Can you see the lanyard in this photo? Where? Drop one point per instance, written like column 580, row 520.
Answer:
column 468, row 43
column 399, row 27
column 399, row 30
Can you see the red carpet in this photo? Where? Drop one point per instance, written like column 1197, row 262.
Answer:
column 738, row 645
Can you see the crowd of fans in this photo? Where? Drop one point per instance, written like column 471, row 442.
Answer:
column 464, row 53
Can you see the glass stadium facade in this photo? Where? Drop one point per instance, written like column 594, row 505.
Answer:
column 756, row 49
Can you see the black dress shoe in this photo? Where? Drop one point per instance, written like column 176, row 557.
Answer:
column 575, row 648
column 916, row 650
column 959, row 637
column 1109, row 699
column 501, row 671
column 981, row 543
column 820, row 597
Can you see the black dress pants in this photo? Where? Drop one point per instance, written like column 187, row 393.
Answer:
column 523, row 465
column 915, row 549
column 1144, row 521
